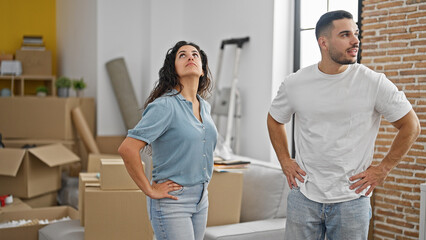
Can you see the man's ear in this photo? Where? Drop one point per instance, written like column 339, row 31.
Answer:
column 323, row 43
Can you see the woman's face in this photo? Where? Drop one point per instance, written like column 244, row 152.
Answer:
column 188, row 62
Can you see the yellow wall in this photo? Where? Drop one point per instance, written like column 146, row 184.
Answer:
column 27, row 17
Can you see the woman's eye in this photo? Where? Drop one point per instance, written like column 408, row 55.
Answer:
column 182, row 55
column 195, row 55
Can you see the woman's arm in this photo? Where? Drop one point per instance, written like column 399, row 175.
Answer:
column 130, row 152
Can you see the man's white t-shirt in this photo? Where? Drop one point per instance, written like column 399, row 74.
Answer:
column 336, row 123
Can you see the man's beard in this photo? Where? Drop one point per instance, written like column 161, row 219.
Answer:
column 340, row 57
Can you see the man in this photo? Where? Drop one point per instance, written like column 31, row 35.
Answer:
column 338, row 105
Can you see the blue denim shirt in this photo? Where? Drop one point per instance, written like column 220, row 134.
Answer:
column 182, row 146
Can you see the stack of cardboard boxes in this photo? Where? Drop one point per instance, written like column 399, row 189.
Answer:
column 40, row 142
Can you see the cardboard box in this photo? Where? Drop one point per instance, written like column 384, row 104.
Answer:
column 114, row 176
column 225, row 194
column 45, row 200
column 30, row 232
column 109, row 144
column 35, row 62
column 43, row 118
column 15, row 206
column 94, row 161
column 116, row 214
column 84, row 178
column 72, row 169
column 31, row 172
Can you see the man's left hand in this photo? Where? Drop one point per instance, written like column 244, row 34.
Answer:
column 373, row 177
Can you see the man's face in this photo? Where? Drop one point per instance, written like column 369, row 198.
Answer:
column 343, row 42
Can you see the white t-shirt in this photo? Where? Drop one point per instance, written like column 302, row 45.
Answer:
column 336, row 123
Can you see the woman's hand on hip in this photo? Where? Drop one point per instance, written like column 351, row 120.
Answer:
column 161, row 190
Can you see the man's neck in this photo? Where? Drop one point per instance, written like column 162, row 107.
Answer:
column 331, row 67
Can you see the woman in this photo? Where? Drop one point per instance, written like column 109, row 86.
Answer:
column 177, row 124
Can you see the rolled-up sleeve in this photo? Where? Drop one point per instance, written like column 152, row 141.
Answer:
column 155, row 120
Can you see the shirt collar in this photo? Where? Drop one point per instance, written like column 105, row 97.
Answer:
column 179, row 96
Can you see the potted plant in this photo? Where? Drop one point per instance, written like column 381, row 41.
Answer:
column 41, row 91
column 63, row 84
column 79, row 85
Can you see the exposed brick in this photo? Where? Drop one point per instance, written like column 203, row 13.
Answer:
column 409, row 181
column 385, row 234
column 417, row 28
column 375, row 53
column 370, row 46
column 398, row 66
column 402, row 36
column 413, row 167
column 402, row 23
column 374, row 13
column 420, row 65
column 390, row 74
column 393, row 45
column 411, row 197
column 403, row 10
column 416, row 87
column 412, row 211
column 388, row 228
column 401, row 51
column 393, row 30
column 402, row 173
column 390, row 4
column 368, row 33
column 412, row 219
column 387, row 59
column 412, row 234
column 374, row 39
column 369, row 20
column 400, row 223
column 389, row 213
column 392, row 18
column 418, row 43
column 420, row 175
column 417, row 15
column 398, row 187
column 374, row 26
column 417, row 153
column 421, row 161
column 422, row 50
column 413, row 72
column 418, row 57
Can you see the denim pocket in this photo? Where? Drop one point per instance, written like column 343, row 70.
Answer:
column 177, row 192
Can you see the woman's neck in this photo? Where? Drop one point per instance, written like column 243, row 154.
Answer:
column 189, row 90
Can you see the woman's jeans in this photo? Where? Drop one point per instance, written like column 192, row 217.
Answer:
column 182, row 219
column 309, row 220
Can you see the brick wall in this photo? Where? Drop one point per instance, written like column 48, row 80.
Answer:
column 394, row 42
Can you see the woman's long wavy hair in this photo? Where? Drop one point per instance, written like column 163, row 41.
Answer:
column 169, row 78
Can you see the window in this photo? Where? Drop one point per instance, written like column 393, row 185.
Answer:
column 307, row 14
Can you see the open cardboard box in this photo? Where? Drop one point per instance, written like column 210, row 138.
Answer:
column 30, row 232
column 27, row 173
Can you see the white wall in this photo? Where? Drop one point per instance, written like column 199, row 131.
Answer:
column 76, row 41
column 122, row 32
column 142, row 32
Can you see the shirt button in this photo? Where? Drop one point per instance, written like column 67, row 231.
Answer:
column 204, row 155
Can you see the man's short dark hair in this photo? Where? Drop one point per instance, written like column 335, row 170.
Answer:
column 326, row 21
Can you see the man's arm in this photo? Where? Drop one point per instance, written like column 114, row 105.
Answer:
column 278, row 137
column 408, row 131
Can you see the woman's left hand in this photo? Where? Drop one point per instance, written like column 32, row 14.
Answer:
column 161, row 190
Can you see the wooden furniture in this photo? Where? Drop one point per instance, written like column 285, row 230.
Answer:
column 17, row 83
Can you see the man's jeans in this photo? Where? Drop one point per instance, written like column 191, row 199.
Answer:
column 182, row 219
column 309, row 220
